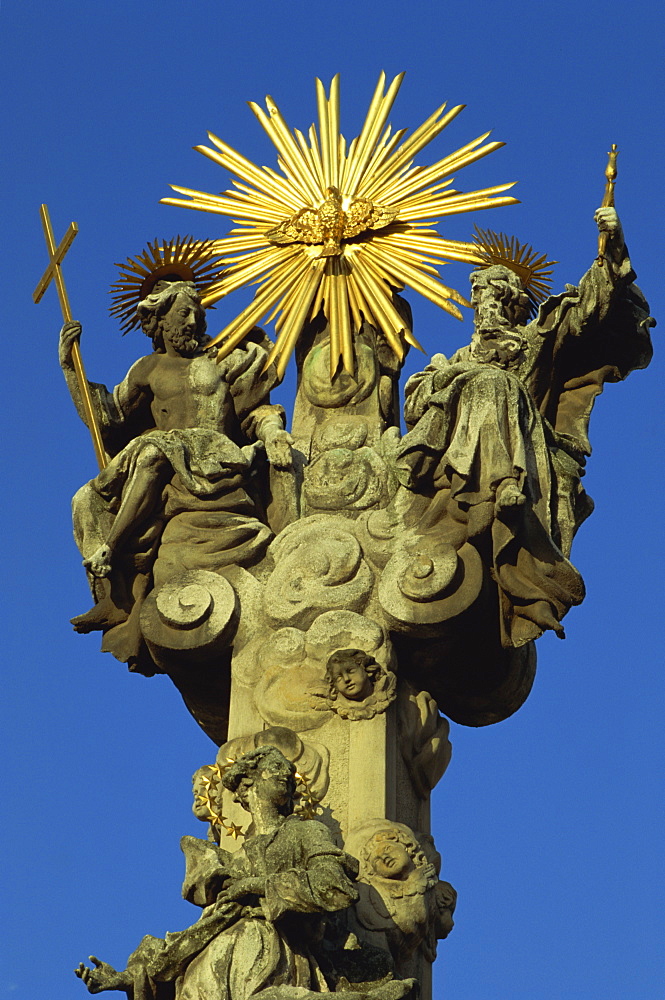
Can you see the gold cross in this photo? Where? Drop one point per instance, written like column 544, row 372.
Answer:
column 53, row 272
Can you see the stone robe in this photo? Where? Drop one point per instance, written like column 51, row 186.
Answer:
column 473, row 425
column 235, row 951
column 208, row 516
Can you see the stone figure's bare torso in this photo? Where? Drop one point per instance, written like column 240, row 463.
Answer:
column 183, row 392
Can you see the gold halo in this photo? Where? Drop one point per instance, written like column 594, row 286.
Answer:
column 533, row 271
column 186, row 259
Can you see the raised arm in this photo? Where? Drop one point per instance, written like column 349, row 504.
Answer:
column 121, row 414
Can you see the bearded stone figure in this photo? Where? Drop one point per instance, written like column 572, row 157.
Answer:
column 498, row 433
column 182, row 432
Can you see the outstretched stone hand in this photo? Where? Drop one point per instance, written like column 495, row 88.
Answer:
column 278, row 444
column 102, row 977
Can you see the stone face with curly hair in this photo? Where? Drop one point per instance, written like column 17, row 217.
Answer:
column 358, row 686
column 252, row 765
column 153, row 313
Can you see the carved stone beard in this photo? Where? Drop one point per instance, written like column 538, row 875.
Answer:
column 495, row 339
column 495, row 311
column 186, row 344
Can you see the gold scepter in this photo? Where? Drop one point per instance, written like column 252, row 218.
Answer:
column 608, row 197
column 53, row 272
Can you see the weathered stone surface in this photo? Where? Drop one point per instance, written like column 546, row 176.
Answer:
column 403, row 904
column 332, row 598
column 262, row 906
column 179, row 429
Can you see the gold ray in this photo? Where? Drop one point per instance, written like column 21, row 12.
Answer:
column 290, row 333
column 431, row 288
column 264, row 299
column 271, row 183
column 427, row 131
column 349, row 272
column 451, row 165
column 297, row 175
column 371, row 130
column 419, row 177
column 333, row 130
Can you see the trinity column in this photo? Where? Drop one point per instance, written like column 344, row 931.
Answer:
column 325, row 589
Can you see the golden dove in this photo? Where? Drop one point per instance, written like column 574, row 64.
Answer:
column 330, row 224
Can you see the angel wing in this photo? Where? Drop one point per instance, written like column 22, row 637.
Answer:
column 305, row 226
column 363, row 214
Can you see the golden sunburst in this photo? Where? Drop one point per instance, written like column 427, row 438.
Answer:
column 187, row 259
column 535, row 272
column 340, row 227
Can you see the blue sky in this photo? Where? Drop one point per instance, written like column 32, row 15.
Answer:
column 550, row 822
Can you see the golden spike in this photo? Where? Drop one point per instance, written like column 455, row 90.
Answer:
column 316, row 154
column 414, row 257
column 262, row 303
column 317, row 303
column 354, row 305
column 437, row 171
column 417, row 199
column 291, row 151
column 457, row 163
column 431, row 288
column 217, row 207
column 324, row 132
column 422, row 136
column 284, row 306
column 469, row 206
column 360, row 140
column 312, row 157
column 246, row 194
column 390, row 321
column 345, row 333
column 348, row 162
column 381, row 153
column 289, row 336
column 330, row 297
column 297, row 178
column 374, row 128
column 264, row 179
column 333, row 130
column 361, row 305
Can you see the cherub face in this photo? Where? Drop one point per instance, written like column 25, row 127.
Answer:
column 349, row 676
column 390, row 859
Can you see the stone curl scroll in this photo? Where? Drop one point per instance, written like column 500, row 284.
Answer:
column 197, row 611
column 319, row 566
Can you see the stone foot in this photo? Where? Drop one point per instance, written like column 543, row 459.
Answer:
column 99, row 618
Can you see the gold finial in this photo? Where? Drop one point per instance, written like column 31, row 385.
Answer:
column 533, row 271
column 608, row 197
